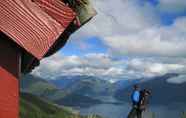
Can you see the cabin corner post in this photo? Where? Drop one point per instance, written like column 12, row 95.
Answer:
column 10, row 62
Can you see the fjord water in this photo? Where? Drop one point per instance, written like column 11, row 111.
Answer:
column 117, row 109
column 120, row 111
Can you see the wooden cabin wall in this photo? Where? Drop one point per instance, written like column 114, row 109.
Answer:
column 10, row 58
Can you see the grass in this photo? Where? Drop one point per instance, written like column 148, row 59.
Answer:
column 35, row 107
column 183, row 115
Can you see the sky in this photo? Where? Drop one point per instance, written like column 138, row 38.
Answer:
column 127, row 39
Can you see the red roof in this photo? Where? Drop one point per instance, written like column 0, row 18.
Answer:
column 35, row 26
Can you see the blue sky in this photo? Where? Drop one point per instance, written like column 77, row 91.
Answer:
column 169, row 18
column 127, row 39
column 92, row 44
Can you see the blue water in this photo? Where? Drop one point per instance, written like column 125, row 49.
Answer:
column 121, row 111
column 110, row 110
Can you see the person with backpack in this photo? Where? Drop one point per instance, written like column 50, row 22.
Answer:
column 135, row 97
column 140, row 101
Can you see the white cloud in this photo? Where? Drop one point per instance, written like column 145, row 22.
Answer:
column 118, row 17
column 177, row 80
column 130, row 29
column 172, row 6
column 180, row 25
column 151, row 42
column 148, row 68
column 165, row 41
column 90, row 64
column 102, row 65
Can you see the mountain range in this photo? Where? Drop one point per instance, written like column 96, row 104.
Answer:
column 163, row 93
column 83, row 90
column 84, row 85
column 48, row 90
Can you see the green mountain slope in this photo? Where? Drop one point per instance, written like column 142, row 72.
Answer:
column 36, row 85
column 34, row 107
column 84, row 85
column 40, row 87
column 74, row 96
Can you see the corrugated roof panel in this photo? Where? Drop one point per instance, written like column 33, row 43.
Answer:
column 35, row 26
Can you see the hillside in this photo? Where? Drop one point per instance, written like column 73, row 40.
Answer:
column 34, row 107
column 36, row 85
column 40, row 87
column 69, row 97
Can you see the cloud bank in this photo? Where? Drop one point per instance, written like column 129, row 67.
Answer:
column 177, row 80
column 105, row 67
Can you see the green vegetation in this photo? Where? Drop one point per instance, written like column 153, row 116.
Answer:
column 36, row 85
column 35, row 107
column 153, row 115
column 183, row 115
column 73, row 96
column 40, row 87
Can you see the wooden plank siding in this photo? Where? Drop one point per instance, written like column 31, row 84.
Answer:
column 35, row 25
column 10, row 67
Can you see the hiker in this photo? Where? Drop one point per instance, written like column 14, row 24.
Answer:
column 140, row 100
column 135, row 97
